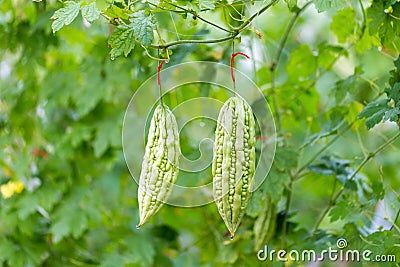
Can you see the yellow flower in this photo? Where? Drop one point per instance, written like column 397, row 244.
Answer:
column 7, row 190
column 18, row 187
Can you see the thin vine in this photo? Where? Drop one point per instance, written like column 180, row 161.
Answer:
column 234, row 33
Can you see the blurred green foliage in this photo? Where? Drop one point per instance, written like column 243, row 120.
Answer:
column 67, row 198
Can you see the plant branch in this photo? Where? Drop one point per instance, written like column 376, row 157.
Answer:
column 395, row 220
column 286, row 35
column 255, row 15
column 362, row 164
column 287, row 207
column 393, row 16
column 198, row 17
column 319, row 152
column 331, row 202
column 210, row 41
column 276, row 61
column 213, row 24
column 236, row 31
column 364, row 22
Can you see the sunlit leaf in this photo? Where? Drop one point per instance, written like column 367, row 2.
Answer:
column 90, row 12
column 122, row 41
column 65, row 15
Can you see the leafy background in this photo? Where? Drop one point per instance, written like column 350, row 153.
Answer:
column 68, row 71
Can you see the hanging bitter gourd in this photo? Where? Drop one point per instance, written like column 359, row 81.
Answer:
column 233, row 164
column 265, row 224
column 160, row 164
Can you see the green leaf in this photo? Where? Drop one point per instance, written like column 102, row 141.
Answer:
column 286, row 158
column 27, row 205
column 328, row 165
column 392, row 114
column 24, row 252
column 86, row 99
column 374, row 107
column 65, row 15
column 343, row 30
column 72, row 222
column 6, row 248
column 122, row 41
column 378, row 190
column 59, row 230
column 374, row 112
column 140, row 249
column 342, row 210
column 365, row 43
column 90, row 12
column 80, row 133
column 275, row 183
column 108, row 134
column 347, row 86
column 385, row 109
column 114, row 260
column 302, row 64
column 384, row 22
column 394, row 92
column 327, row 54
column 278, row 178
column 143, row 27
column 185, row 259
column 381, row 243
column 336, row 119
column 256, row 204
column 114, row 12
column 70, row 218
column 395, row 73
column 376, row 16
column 227, row 255
column 323, row 5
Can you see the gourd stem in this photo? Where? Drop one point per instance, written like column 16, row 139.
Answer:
column 231, row 65
column 232, row 62
column 159, row 80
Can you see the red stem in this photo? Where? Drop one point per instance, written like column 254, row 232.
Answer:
column 159, row 69
column 232, row 59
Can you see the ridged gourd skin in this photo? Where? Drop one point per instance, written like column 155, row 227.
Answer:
column 233, row 164
column 160, row 164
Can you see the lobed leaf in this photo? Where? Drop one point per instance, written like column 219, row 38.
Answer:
column 343, row 31
column 65, row 15
column 324, row 5
column 143, row 27
column 122, row 41
column 374, row 112
column 90, row 12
